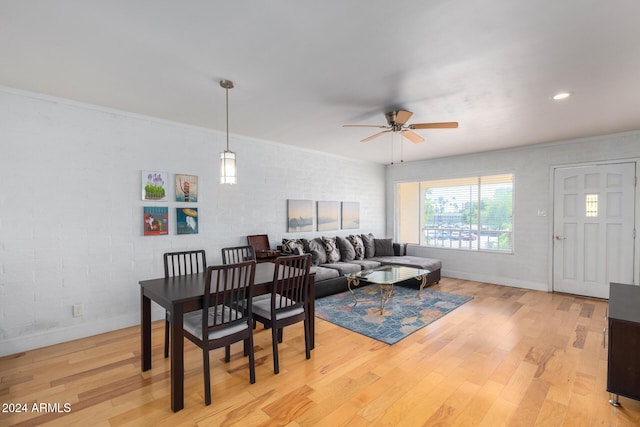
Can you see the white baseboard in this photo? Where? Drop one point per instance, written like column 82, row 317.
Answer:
column 87, row 329
column 497, row 280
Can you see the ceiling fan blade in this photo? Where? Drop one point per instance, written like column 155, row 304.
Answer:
column 443, row 125
column 364, row 126
column 375, row 136
column 403, row 116
column 412, row 136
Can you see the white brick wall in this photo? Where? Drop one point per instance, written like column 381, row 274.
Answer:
column 71, row 210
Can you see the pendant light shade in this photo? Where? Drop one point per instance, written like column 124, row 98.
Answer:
column 227, row 157
column 227, row 167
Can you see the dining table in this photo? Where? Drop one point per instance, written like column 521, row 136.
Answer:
column 184, row 294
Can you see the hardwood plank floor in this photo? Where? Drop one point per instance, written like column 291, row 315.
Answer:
column 509, row 357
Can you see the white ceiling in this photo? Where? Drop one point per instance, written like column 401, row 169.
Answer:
column 304, row 68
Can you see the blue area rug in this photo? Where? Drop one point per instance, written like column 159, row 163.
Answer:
column 404, row 313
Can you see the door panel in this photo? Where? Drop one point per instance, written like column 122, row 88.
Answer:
column 593, row 228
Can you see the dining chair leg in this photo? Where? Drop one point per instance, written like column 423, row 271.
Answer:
column 280, row 335
column 227, row 353
column 252, row 362
column 274, row 340
column 166, row 337
column 207, row 377
column 307, row 337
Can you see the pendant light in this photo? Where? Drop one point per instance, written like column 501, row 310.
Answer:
column 227, row 157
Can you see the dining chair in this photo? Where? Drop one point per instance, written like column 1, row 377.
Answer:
column 286, row 304
column 225, row 317
column 181, row 264
column 237, row 254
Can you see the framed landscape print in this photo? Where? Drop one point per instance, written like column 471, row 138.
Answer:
column 350, row 215
column 299, row 215
column 187, row 220
column 186, row 188
column 328, row 216
column 156, row 221
column 154, row 186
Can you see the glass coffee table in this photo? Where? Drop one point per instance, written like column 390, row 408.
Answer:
column 386, row 277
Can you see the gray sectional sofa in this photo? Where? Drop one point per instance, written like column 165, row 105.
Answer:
column 334, row 258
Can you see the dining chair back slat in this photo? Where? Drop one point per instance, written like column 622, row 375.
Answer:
column 227, row 293
column 185, row 262
column 238, row 254
column 289, row 283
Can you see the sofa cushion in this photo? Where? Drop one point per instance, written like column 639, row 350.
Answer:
column 383, row 247
column 323, row 273
column 358, row 246
column 347, row 252
column 369, row 246
column 292, row 246
column 318, row 254
column 343, row 267
column 411, row 261
column 331, row 248
column 366, row 264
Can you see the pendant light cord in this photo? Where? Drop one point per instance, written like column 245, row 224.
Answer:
column 227, row 93
column 227, row 84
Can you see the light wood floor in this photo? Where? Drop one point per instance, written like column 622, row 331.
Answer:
column 508, row 357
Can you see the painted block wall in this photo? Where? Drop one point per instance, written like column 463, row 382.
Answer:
column 71, row 209
column 530, row 265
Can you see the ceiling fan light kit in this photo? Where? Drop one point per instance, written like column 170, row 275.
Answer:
column 227, row 157
column 396, row 122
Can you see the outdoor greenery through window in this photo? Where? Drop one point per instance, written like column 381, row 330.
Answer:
column 473, row 213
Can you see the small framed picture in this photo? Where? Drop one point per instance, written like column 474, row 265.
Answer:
column 154, row 186
column 350, row 215
column 187, row 220
column 186, row 188
column 299, row 215
column 156, row 221
column 328, row 216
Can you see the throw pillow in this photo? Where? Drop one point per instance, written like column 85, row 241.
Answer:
column 358, row 246
column 347, row 252
column 331, row 248
column 384, row 247
column 292, row 246
column 305, row 245
column 318, row 254
column 369, row 246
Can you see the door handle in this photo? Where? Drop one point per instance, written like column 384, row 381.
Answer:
column 560, row 238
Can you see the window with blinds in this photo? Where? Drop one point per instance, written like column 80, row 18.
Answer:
column 472, row 213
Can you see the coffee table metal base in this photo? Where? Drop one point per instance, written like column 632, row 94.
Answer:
column 385, row 289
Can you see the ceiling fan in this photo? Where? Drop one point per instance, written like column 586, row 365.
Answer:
column 396, row 122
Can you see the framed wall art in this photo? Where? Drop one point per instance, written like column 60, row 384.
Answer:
column 154, row 186
column 350, row 215
column 155, row 220
column 186, row 188
column 299, row 215
column 328, row 216
column 187, row 220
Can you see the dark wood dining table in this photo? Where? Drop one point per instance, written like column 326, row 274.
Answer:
column 183, row 294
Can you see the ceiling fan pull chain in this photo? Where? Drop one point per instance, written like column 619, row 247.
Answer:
column 392, row 144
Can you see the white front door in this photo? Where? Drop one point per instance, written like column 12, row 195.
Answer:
column 593, row 225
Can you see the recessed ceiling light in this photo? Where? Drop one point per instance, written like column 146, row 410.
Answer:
column 561, row 95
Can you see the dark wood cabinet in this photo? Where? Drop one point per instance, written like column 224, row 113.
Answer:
column 623, row 373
